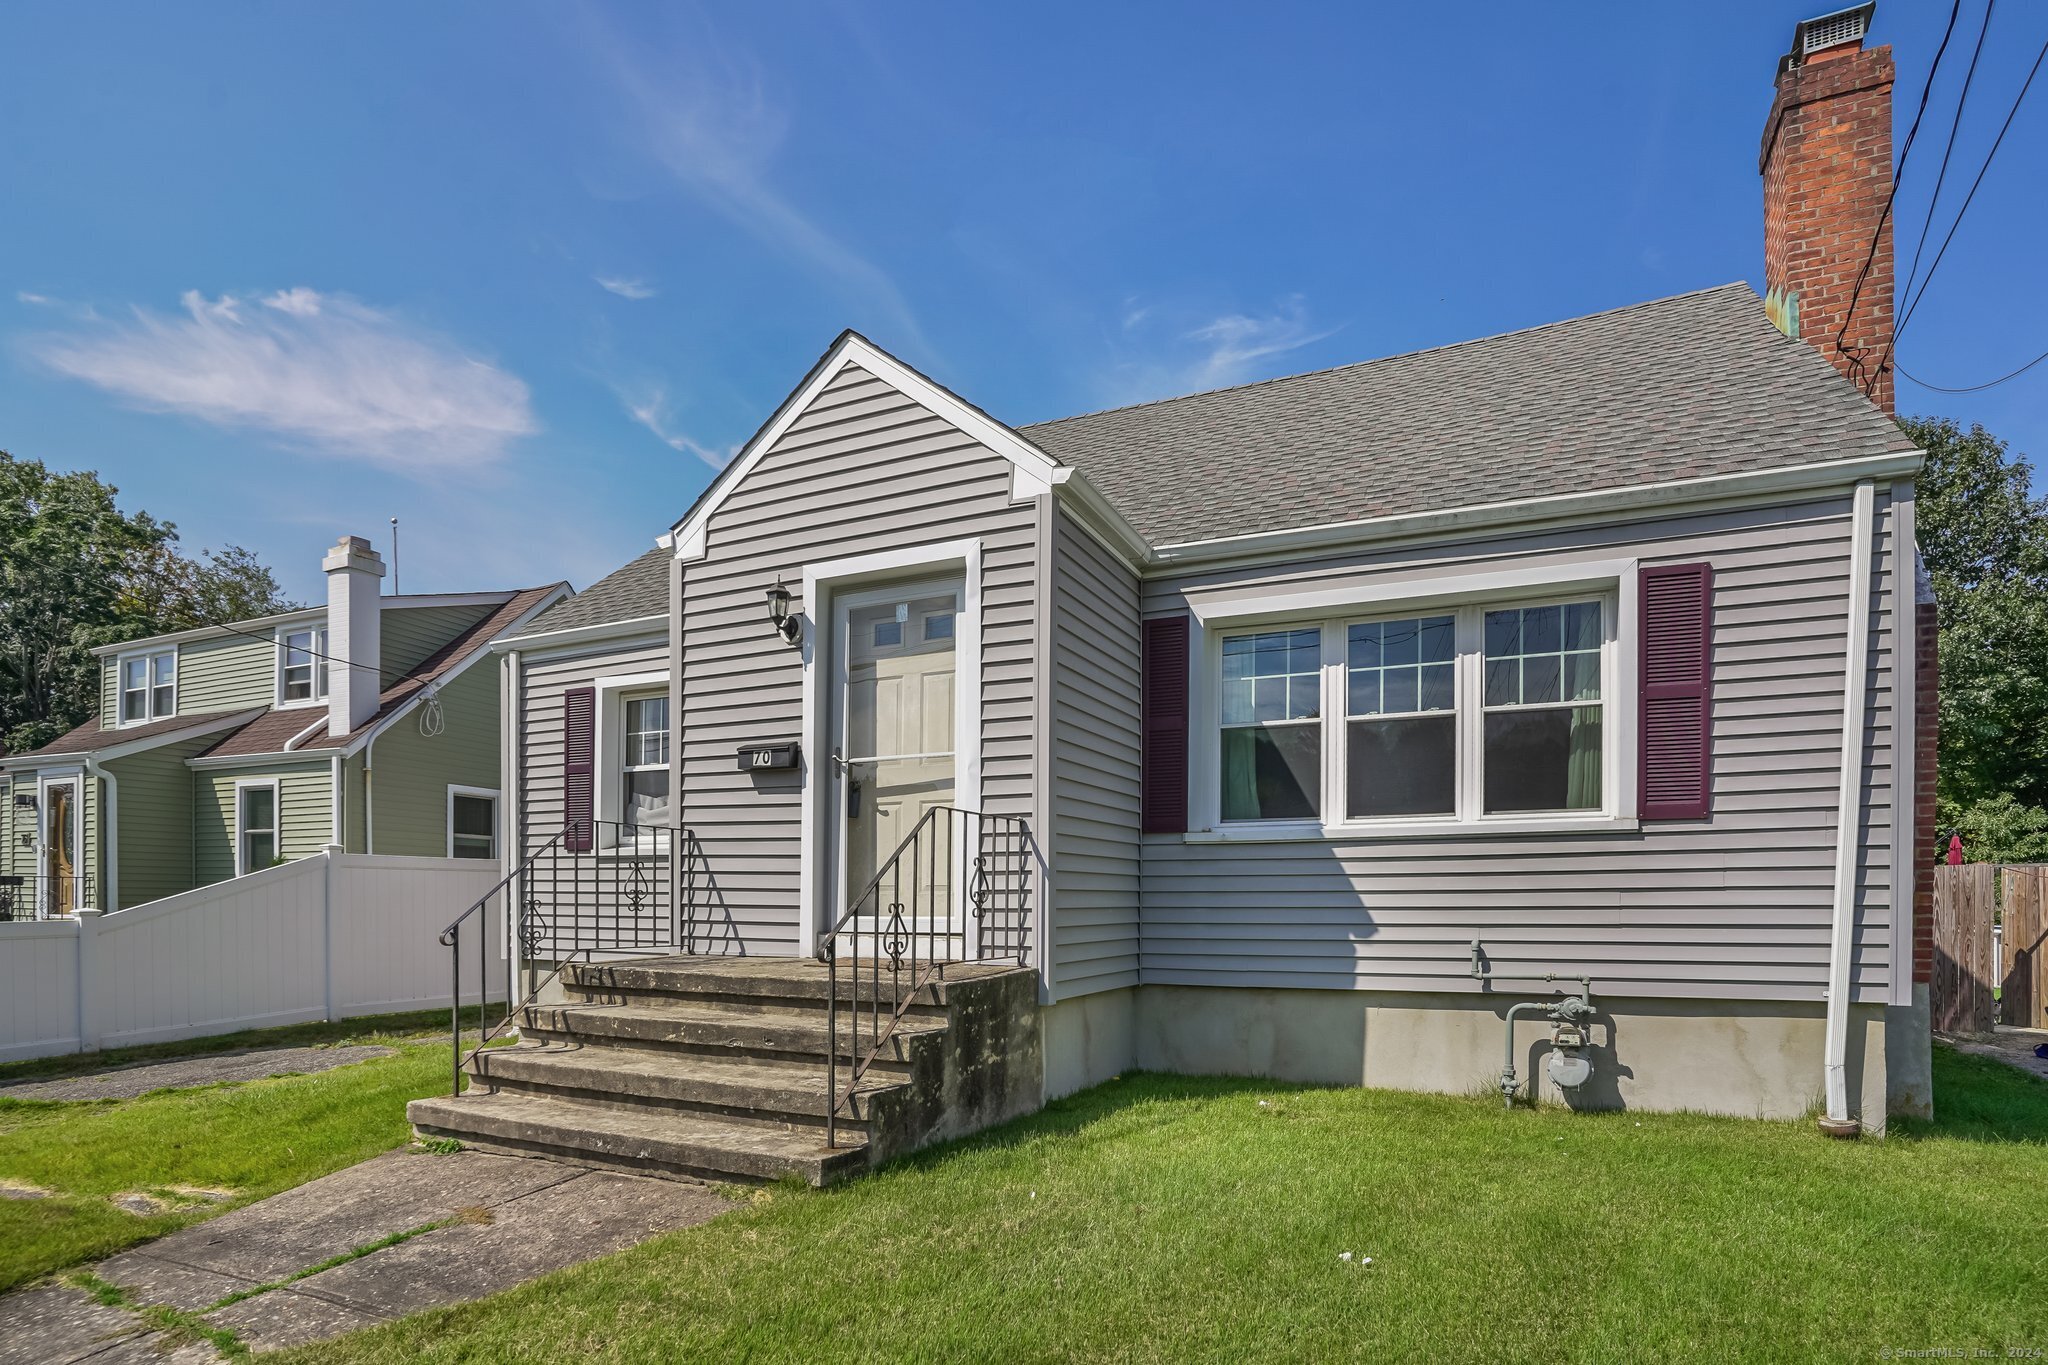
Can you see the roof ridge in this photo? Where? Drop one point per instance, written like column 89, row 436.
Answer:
column 1384, row 359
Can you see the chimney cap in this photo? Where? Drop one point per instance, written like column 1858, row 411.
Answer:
column 1818, row 34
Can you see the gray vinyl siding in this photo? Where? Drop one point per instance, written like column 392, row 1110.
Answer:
column 411, row 772
column 408, row 635
column 862, row 470
column 1095, row 930
column 155, row 820
column 1733, row 907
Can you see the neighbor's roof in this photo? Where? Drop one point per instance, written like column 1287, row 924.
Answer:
column 1679, row 388
column 90, row 737
column 632, row 592
column 268, row 732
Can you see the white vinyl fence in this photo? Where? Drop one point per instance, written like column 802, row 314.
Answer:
column 327, row 937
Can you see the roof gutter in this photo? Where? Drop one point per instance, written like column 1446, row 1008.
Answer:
column 576, row 635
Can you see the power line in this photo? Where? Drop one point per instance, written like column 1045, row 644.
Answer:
column 1989, row 156
column 1955, row 127
column 1905, row 150
column 1974, row 388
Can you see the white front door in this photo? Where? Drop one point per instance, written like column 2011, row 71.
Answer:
column 894, row 663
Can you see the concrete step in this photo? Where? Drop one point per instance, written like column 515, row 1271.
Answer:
column 796, row 1038
column 686, row 1146
column 774, row 1096
column 762, row 982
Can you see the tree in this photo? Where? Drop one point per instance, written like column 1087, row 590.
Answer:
column 1984, row 537
column 75, row 572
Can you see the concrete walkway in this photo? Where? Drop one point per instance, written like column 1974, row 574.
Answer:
column 461, row 1226
column 210, row 1068
column 2014, row 1046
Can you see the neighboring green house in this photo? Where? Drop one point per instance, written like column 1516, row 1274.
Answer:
column 216, row 752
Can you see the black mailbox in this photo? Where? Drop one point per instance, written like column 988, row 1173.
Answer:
column 779, row 756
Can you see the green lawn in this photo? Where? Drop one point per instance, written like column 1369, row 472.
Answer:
column 1163, row 1218
column 254, row 1138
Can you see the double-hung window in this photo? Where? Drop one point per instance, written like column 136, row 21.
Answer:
column 148, row 687
column 256, row 843
column 644, row 775
column 1479, row 712
column 302, row 665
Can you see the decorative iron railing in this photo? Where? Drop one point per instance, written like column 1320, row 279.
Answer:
column 957, row 889
column 595, row 886
column 26, row 897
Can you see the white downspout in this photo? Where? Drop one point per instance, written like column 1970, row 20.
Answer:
column 111, row 842
column 334, row 799
column 1842, row 944
column 369, row 800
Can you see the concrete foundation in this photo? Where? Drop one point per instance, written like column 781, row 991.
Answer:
column 1909, row 1056
column 1754, row 1059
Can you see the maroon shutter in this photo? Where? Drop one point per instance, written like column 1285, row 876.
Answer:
column 579, row 766
column 1163, row 765
column 1675, row 668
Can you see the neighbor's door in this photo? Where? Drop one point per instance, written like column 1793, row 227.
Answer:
column 59, row 893
column 893, row 746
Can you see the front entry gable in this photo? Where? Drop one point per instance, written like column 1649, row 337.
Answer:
column 857, row 381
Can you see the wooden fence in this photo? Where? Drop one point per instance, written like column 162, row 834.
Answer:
column 1976, row 985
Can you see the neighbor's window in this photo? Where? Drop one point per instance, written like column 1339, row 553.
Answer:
column 1543, row 708
column 645, row 779
column 1458, row 714
column 1272, row 725
column 149, row 687
column 472, row 825
column 304, row 665
column 255, row 828
column 1401, row 741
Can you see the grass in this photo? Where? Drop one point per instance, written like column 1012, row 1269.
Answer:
column 250, row 1139
column 1164, row 1218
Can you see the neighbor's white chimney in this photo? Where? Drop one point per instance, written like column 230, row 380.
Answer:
column 354, row 599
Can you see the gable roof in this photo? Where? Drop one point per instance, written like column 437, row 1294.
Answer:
column 93, row 738
column 268, row 732
column 1687, row 387
column 632, row 592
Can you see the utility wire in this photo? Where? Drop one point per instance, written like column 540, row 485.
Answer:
column 1975, row 388
column 1905, row 150
column 1989, row 156
column 1955, row 127
column 317, row 654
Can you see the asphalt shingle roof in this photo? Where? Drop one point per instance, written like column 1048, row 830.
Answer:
column 628, row 593
column 91, row 737
column 1684, row 387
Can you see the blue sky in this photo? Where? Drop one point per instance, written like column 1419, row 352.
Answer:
column 524, row 274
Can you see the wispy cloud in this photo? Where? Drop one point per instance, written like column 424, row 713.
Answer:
column 39, row 300
column 649, row 406
column 624, row 287
column 712, row 121
column 1160, row 358
column 320, row 370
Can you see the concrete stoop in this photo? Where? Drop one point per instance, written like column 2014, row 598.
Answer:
column 714, row 1069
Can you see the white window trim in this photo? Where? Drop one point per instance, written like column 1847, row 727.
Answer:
column 1467, row 597
column 612, row 694
column 319, row 697
column 822, row 582
column 496, row 798
column 82, row 866
column 149, row 711
column 276, row 821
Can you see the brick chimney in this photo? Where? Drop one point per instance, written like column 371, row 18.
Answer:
column 354, row 633
column 1827, row 169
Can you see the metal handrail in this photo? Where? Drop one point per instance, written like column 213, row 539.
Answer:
column 544, row 899
column 999, row 867
column 41, row 895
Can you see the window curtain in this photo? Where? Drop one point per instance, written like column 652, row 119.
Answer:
column 1240, row 775
column 1582, row 770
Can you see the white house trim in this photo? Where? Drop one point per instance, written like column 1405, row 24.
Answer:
column 258, row 625
column 1035, row 470
column 497, row 800
column 243, row 784
column 148, row 656
column 321, row 662
column 653, row 629
column 822, row 581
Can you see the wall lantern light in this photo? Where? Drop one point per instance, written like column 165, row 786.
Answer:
column 790, row 628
